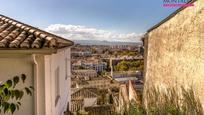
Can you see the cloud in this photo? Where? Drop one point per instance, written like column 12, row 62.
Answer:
column 77, row 32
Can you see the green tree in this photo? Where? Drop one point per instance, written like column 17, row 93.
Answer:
column 122, row 66
column 10, row 96
column 130, row 65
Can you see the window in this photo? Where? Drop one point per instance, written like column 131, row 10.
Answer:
column 57, row 86
column 66, row 68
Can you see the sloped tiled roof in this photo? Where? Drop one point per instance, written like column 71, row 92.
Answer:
column 17, row 35
column 85, row 93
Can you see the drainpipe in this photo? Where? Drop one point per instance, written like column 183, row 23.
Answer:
column 35, row 85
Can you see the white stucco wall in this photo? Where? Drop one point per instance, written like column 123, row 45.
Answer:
column 14, row 65
column 52, row 62
column 40, row 72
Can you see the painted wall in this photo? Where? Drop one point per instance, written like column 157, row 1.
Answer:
column 39, row 83
column 40, row 71
column 52, row 62
column 175, row 52
column 14, row 65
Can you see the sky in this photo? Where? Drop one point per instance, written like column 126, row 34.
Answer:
column 110, row 20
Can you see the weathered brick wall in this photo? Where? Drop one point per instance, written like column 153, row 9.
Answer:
column 175, row 53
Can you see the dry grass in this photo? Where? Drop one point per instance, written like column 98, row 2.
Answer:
column 171, row 102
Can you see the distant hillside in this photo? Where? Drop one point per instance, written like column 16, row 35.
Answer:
column 96, row 42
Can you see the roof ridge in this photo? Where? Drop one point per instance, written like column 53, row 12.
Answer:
column 33, row 30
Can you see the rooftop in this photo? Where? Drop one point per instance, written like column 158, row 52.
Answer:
column 17, row 35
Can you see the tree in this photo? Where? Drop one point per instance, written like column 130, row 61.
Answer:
column 132, row 65
column 122, row 66
column 10, row 96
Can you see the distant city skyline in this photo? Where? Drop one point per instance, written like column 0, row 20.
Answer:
column 106, row 20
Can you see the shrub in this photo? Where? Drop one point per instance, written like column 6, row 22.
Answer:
column 173, row 102
column 168, row 102
column 10, row 96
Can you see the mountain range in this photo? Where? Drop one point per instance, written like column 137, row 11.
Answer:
column 97, row 42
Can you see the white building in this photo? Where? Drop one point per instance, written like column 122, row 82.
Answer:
column 81, row 53
column 84, row 74
column 44, row 58
column 96, row 65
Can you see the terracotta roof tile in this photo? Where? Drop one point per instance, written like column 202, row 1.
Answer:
column 16, row 35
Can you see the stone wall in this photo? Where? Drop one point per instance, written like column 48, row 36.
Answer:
column 175, row 52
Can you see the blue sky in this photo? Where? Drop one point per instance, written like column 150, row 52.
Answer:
column 119, row 18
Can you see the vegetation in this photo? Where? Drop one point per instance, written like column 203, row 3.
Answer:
column 169, row 102
column 129, row 65
column 80, row 113
column 174, row 103
column 10, row 96
column 126, row 53
column 102, row 73
column 136, row 110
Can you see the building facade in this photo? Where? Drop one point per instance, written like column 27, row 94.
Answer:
column 44, row 58
column 84, row 97
column 97, row 82
column 84, row 74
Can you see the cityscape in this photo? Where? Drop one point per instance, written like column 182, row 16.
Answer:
column 102, row 76
column 101, row 57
